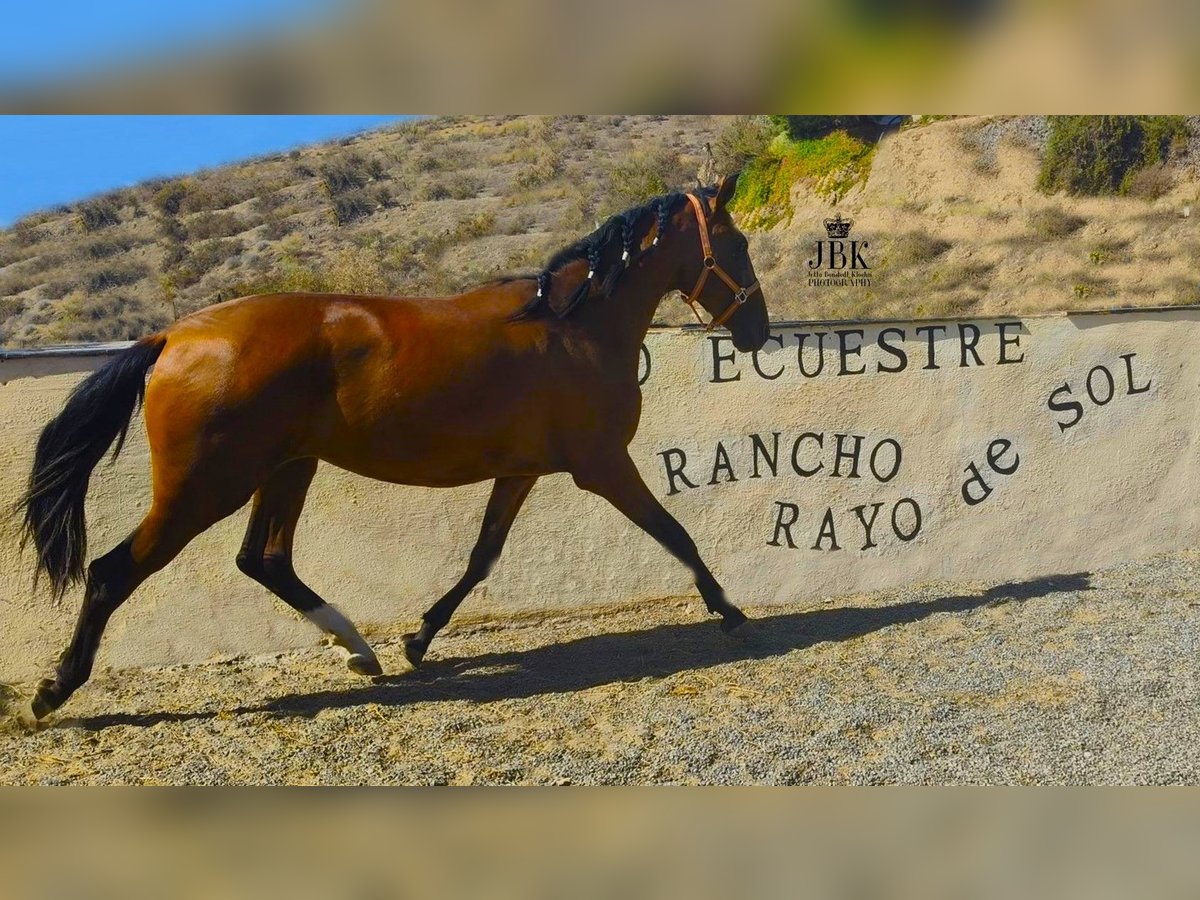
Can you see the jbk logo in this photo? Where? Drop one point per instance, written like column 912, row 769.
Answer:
column 838, row 261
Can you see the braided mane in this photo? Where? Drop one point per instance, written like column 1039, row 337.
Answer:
column 605, row 271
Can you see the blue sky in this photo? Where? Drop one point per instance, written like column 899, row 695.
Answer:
column 46, row 160
column 41, row 40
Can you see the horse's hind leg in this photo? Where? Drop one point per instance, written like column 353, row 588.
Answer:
column 505, row 502
column 110, row 581
column 266, row 556
column 171, row 523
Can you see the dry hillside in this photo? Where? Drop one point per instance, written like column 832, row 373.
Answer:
column 956, row 226
column 949, row 208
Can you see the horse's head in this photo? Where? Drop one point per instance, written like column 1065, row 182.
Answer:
column 720, row 269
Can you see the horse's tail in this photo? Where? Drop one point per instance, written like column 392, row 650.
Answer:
column 97, row 413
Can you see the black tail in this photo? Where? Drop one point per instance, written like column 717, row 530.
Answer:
column 96, row 414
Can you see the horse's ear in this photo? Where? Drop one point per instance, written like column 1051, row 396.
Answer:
column 725, row 188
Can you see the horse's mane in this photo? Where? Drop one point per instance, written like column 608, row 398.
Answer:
column 619, row 230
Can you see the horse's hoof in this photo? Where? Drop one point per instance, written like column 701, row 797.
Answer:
column 414, row 650
column 734, row 623
column 28, row 720
column 46, row 699
column 364, row 665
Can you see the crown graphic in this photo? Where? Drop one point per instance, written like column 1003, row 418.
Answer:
column 837, row 226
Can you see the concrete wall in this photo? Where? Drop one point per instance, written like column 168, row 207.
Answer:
column 1078, row 479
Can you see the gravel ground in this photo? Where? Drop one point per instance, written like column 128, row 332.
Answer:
column 1078, row 679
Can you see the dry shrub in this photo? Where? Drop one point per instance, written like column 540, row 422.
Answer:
column 744, row 139
column 206, row 256
column 973, row 275
column 444, row 159
column 382, row 195
column 116, row 275
column 1052, row 222
column 352, row 206
column 457, row 186
column 218, row 192
column 519, row 222
column 102, row 212
column 26, row 230
column 914, row 248
column 10, row 306
column 1182, row 291
column 275, row 228
column 547, row 165
column 357, row 270
column 351, row 270
column 476, row 226
column 434, row 190
column 265, row 204
column 104, row 247
column 1151, row 182
column 343, row 174
column 41, row 262
column 433, row 245
column 641, row 176
column 207, row 225
column 169, row 198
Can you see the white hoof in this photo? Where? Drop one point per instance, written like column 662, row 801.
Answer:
column 364, row 665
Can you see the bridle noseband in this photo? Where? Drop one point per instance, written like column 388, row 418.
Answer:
column 740, row 294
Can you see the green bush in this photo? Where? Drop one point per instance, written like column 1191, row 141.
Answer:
column 1100, row 155
column 833, row 164
column 800, row 128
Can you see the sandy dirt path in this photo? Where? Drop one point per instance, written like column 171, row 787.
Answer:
column 1079, row 678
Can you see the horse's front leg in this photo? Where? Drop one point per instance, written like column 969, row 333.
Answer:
column 617, row 480
column 507, row 496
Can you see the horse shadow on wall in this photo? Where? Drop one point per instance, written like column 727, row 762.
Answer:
column 601, row 659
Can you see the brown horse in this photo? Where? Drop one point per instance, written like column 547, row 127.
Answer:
column 513, row 380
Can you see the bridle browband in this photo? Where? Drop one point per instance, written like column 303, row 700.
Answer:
column 740, row 294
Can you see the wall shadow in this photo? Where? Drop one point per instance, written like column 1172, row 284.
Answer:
column 624, row 656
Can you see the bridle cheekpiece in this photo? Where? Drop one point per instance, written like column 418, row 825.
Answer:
column 740, row 294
